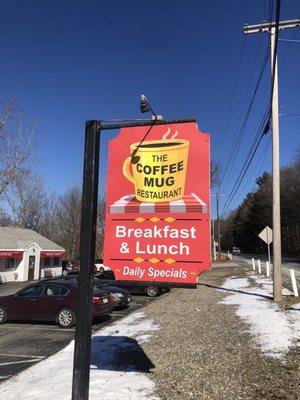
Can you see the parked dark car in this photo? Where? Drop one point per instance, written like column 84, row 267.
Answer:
column 74, row 268
column 122, row 296
column 149, row 290
column 51, row 300
column 236, row 251
column 69, row 267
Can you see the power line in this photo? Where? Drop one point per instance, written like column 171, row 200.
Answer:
column 238, row 180
column 255, row 144
column 283, row 115
column 258, row 129
column 238, row 137
column 232, row 97
column 264, row 154
column 289, row 40
column 262, row 128
column 260, row 161
column 275, row 52
column 290, row 106
column 273, row 29
column 288, row 50
column 241, row 113
column 241, row 178
column 268, row 113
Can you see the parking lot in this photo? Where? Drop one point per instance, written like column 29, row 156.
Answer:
column 24, row 344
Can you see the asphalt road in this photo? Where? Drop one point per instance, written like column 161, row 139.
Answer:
column 24, row 344
column 286, row 266
column 287, row 263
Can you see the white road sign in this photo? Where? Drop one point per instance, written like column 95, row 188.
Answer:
column 266, row 235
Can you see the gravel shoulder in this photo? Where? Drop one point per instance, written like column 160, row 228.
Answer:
column 204, row 351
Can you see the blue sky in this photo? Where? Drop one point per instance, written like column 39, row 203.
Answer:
column 70, row 61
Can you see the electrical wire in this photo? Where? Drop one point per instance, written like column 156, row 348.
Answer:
column 264, row 155
column 239, row 135
column 283, row 115
column 290, row 106
column 241, row 113
column 278, row 3
column 251, row 153
column 249, row 160
column 229, row 159
column 288, row 50
column 260, row 161
column 232, row 97
column 232, row 195
column 134, row 158
column 289, row 40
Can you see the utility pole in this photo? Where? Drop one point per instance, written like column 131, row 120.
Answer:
column 271, row 29
column 213, row 240
column 218, row 227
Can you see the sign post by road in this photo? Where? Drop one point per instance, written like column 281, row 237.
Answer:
column 190, row 217
column 83, row 329
column 267, row 236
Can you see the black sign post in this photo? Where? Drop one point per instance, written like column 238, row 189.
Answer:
column 83, row 330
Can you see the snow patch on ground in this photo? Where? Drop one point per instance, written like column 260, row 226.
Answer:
column 118, row 367
column 274, row 330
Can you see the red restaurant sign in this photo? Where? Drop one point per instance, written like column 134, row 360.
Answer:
column 53, row 253
column 157, row 216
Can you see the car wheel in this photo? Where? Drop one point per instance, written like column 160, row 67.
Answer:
column 65, row 272
column 101, row 270
column 66, row 318
column 3, row 315
column 152, row 291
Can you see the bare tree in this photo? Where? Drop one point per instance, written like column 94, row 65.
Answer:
column 215, row 174
column 30, row 204
column 100, row 229
column 5, row 219
column 17, row 145
column 66, row 218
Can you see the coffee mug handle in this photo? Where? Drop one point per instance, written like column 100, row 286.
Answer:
column 126, row 169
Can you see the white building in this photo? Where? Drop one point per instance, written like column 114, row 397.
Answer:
column 25, row 255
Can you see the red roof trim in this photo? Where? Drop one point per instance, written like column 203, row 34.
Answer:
column 11, row 254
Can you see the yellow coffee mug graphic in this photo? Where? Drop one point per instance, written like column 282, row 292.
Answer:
column 158, row 169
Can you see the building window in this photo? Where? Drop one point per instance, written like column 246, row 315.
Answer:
column 47, row 262
column 56, row 261
column 9, row 263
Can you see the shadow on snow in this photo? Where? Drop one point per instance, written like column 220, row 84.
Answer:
column 237, row 291
column 119, row 353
